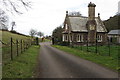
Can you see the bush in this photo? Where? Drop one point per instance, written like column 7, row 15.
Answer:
column 64, row 43
column 37, row 41
column 4, row 29
column 13, row 31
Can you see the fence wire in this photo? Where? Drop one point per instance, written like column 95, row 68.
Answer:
column 14, row 48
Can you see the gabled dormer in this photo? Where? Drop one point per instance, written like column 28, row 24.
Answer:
column 66, row 23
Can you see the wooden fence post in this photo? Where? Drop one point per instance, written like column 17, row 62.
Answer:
column 109, row 46
column 96, row 41
column 87, row 45
column 11, row 49
column 96, row 45
column 81, row 46
column 17, row 46
column 24, row 45
column 21, row 45
column 27, row 44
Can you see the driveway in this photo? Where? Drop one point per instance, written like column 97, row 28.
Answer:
column 54, row 63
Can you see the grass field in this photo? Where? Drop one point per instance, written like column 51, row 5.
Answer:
column 22, row 66
column 107, row 61
column 6, row 48
column 6, row 36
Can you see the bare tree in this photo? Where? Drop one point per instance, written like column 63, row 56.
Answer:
column 11, row 6
column 33, row 32
column 3, row 20
column 40, row 34
column 15, row 5
column 12, row 24
column 74, row 13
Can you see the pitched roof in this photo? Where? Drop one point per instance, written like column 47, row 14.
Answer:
column 79, row 24
column 114, row 32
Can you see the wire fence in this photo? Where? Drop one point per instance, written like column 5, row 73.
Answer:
column 14, row 48
column 109, row 49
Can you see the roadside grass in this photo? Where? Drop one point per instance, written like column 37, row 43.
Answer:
column 107, row 61
column 22, row 66
column 102, row 50
column 46, row 40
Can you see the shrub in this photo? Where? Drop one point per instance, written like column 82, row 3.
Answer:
column 64, row 43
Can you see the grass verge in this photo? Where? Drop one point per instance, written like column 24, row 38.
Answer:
column 22, row 66
column 107, row 61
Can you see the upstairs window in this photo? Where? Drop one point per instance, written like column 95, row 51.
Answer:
column 66, row 26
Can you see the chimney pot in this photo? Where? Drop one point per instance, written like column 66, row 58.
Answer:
column 98, row 14
column 66, row 12
column 91, row 4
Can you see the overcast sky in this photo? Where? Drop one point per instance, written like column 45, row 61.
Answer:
column 46, row 15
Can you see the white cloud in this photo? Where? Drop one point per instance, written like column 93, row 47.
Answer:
column 46, row 15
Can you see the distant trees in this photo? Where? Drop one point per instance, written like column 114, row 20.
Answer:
column 74, row 13
column 32, row 32
column 57, row 35
column 40, row 34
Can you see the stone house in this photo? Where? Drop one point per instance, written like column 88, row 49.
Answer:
column 114, row 36
column 81, row 30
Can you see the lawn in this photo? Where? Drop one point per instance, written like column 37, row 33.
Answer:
column 107, row 61
column 105, row 50
column 22, row 66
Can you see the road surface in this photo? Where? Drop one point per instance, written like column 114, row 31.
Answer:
column 54, row 63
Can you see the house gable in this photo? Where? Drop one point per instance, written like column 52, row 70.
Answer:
column 78, row 24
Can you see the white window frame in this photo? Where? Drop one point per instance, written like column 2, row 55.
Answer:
column 66, row 26
column 71, row 38
column 63, row 37
column 99, row 38
column 80, row 38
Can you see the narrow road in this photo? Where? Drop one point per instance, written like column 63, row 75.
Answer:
column 54, row 63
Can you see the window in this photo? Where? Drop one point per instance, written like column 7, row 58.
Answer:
column 63, row 37
column 66, row 37
column 79, row 38
column 66, row 27
column 71, row 38
column 99, row 38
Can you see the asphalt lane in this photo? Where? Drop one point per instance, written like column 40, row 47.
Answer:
column 54, row 63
